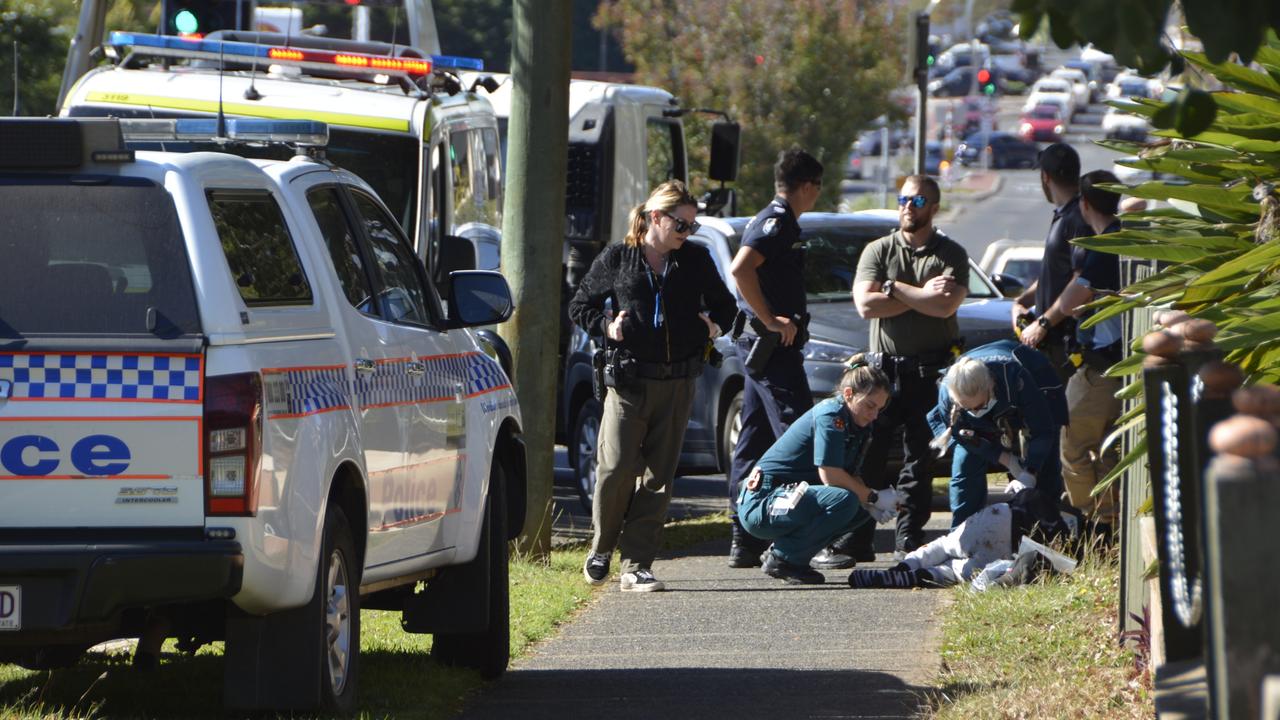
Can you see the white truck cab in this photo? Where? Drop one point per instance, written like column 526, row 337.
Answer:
column 397, row 117
column 231, row 396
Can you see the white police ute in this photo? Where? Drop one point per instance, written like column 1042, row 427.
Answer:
column 233, row 403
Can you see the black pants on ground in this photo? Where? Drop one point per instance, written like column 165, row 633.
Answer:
column 771, row 401
column 914, row 398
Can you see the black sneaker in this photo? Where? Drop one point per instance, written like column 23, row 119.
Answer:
column 830, row 559
column 596, row 569
column 641, row 581
column 776, row 567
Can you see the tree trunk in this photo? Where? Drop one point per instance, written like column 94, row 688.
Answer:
column 533, row 236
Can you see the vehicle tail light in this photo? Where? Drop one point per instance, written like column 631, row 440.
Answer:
column 232, row 443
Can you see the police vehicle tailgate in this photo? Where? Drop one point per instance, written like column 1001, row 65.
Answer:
column 101, row 439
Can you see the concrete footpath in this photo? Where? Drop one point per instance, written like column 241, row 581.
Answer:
column 731, row 643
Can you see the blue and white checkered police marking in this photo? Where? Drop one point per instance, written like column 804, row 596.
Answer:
column 101, row 376
column 304, row 391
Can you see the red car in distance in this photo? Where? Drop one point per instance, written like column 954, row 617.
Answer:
column 1042, row 123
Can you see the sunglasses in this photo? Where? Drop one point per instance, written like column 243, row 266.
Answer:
column 682, row 225
column 917, row 201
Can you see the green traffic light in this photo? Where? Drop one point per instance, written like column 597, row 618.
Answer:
column 929, row 61
column 989, row 89
column 186, row 22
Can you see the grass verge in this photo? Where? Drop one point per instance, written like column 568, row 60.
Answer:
column 397, row 676
column 1047, row 650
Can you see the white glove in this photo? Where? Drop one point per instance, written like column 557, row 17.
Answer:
column 889, row 499
column 880, row 516
column 1010, row 461
column 1024, row 481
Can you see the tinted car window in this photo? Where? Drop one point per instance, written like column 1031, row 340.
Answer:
column 258, row 247
column 341, row 243
column 97, row 257
column 978, row 287
column 400, row 292
column 831, row 259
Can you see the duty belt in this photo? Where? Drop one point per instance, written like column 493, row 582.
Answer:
column 668, row 371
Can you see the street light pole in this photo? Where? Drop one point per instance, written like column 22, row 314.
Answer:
column 920, row 70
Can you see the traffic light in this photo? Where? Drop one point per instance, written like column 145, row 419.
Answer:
column 986, row 82
column 918, row 42
column 197, row 18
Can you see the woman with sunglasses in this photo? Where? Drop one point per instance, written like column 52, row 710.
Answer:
column 1002, row 388
column 669, row 302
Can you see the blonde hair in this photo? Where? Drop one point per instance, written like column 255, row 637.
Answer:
column 967, row 378
column 862, row 379
column 666, row 197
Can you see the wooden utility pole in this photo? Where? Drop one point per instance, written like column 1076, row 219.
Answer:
column 533, row 236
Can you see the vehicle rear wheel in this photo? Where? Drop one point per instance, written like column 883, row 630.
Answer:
column 730, row 428
column 52, row 657
column 338, row 593
column 487, row 651
column 585, row 440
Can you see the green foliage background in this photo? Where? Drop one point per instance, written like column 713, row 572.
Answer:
column 793, row 72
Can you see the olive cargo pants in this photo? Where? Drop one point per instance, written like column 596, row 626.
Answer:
column 641, row 433
column 1093, row 408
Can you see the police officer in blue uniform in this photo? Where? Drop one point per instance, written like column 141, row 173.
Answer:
column 769, row 272
column 991, row 393
column 805, row 491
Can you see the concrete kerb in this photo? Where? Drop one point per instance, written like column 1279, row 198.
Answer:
column 988, row 184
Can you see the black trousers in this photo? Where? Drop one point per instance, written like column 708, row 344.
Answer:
column 908, row 406
column 770, row 403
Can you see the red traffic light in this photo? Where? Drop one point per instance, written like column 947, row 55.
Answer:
column 984, row 76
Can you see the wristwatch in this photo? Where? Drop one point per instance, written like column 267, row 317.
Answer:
column 1043, row 322
column 887, row 288
column 872, row 497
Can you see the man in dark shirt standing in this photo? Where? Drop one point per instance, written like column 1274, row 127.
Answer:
column 769, row 272
column 1048, row 332
column 1091, row 396
column 909, row 284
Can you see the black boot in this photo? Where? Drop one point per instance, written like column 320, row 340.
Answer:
column 745, row 549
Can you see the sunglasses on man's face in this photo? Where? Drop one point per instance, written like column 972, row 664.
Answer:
column 682, row 225
column 917, row 201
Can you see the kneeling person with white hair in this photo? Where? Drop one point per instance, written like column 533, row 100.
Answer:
column 805, row 489
column 990, row 393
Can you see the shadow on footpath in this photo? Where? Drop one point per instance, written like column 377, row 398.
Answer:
column 682, row 692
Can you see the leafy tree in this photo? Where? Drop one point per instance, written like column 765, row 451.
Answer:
column 41, row 52
column 1218, row 242
column 793, row 72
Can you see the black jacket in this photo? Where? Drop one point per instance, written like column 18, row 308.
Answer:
column 692, row 285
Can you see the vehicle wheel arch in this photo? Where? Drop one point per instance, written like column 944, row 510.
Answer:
column 509, row 452
column 349, row 492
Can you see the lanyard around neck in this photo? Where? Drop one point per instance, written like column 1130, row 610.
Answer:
column 656, row 284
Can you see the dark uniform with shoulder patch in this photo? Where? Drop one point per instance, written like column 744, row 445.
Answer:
column 775, row 397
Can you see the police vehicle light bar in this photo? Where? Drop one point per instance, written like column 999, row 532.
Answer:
column 202, row 49
column 293, row 132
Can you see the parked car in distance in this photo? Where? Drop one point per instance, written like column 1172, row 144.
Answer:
column 1017, row 259
column 1046, row 89
column 1080, row 91
column 1005, row 150
column 1128, row 85
column 955, row 83
column 1120, row 124
column 1043, row 122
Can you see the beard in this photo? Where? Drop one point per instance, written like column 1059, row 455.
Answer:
column 910, row 225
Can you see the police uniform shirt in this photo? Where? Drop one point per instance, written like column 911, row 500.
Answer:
column 893, row 258
column 825, row 435
column 775, row 233
column 1055, row 269
column 1102, row 271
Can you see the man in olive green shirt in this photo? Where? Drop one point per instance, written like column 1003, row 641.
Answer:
column 909, row 284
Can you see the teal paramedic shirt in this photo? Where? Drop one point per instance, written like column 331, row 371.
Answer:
column 825, row 435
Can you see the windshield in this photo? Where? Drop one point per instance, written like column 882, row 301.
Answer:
column 1045, row 112
column 831, row 259
column 92, row 255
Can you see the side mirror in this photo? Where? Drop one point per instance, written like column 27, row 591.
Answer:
column 1008, row 285
column 478, row 297
column 725, row 151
